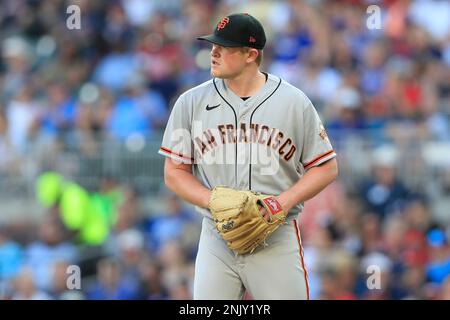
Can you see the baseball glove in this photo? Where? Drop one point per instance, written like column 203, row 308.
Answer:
column 238, row 218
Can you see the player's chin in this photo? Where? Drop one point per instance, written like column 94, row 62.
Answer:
column 216, row 73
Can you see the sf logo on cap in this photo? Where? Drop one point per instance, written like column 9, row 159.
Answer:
column 223, row 23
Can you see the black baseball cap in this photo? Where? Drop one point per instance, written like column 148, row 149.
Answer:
column 238, row 30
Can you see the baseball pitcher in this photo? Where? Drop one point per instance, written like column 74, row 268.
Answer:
column 247, row 149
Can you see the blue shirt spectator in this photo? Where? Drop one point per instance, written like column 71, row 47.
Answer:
column 110, row 284
column 44, row 253
column 169, row 225
column 11, row 257
column 439, row 267
column 114, row 70
column 138, row 112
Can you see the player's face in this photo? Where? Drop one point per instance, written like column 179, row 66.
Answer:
column 227, row 62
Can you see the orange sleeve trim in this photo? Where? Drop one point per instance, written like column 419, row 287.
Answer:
column 314, row 161
column 165, row 150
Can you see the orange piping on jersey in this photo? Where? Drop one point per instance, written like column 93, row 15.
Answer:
column 165, row 150
column 314, row 161
column 302, row 261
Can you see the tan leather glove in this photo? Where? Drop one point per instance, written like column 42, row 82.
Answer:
column 239, row 220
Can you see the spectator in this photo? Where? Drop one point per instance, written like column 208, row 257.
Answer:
column 139, row 111
column 11, row 260
column 384, row 194
column 109, row 283
column 131, row 253
column 371, row 236
column 58, row 118
column 445, row 291
column 176, row 268
column 438, row 267
column 115, row 68
column 339, row 277
column 321, row 209
column 9, row 161
column 347, row 116
column 16, row 52
column 413, row 281
column 152, row 287
column 22, row 118
column 178, row 223
column 44, row 252
column 25, row 288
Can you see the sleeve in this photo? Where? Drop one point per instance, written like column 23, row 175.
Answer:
column 177, row 142
column 317, row 147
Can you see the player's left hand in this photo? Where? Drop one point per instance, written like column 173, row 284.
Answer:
column 264, row 213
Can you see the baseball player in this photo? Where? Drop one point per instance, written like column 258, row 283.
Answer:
column 247, row 130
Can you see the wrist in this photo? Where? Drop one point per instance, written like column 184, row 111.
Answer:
column 284, row 202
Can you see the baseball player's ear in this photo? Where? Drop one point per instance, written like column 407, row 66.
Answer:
column 253, row 54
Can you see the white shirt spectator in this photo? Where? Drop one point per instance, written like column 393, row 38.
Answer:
column 20, row 116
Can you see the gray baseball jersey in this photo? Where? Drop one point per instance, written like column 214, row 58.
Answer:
column 265, row 144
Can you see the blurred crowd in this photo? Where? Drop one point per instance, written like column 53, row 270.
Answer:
column 383, row 94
